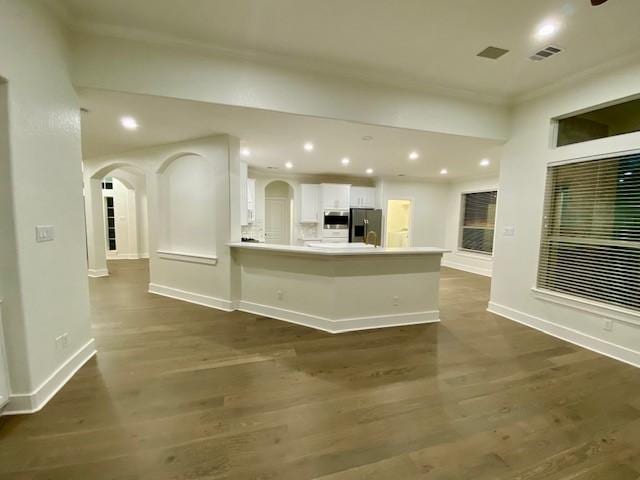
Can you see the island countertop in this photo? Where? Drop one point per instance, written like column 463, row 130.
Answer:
column 329, row 250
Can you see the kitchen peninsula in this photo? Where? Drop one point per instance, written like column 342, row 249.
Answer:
column 338, row 288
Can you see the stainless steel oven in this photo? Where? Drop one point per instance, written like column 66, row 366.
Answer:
column 336, row 220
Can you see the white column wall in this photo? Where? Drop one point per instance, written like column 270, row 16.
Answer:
column 44, row 286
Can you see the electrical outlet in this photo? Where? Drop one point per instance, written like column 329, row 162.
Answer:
column 509, row 231
column 608, row 325
column 396, row 301
column 280, row 294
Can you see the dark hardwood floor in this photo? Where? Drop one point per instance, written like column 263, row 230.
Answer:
column 180, row 392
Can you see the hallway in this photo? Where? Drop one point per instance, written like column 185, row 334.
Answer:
column 180, row 391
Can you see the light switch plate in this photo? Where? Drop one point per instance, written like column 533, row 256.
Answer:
column 44, row 233
column 509, row 231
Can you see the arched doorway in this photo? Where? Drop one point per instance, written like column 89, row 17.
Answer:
column 278, row 213
column 116, row 215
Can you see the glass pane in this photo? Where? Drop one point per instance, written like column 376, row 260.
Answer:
column 601, row 123
column 480, row 209
column 477, row 239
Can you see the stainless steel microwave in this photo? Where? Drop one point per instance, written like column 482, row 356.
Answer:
column 336, row 220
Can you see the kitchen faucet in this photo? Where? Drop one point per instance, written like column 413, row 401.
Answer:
column 375, row 238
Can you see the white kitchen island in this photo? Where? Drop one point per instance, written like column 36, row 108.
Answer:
column 338, row 288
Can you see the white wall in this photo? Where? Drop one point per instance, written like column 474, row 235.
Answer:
column 161, row 69
column 198, row 264
column 186, row 206
column 520, row 204
column 429, row 212
column 43, row 285
column 467, row 261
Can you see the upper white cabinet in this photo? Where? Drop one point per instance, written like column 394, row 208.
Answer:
column 244, row 174
column 251, row 200
column 363, row 197
column 247, row 196
column 335, row 195
column 309, row 203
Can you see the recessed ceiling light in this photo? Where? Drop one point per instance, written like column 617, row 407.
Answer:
column 129, row 123
column 308, row 146
column 245, row 152
column 444, row 171
column 547, row 29
column 369, row 171
column 345, row 161
column 288, row 165
column 484, row 162
column 414, row 156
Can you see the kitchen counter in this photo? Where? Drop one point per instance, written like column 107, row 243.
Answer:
column 333, row 249
column 338, row 287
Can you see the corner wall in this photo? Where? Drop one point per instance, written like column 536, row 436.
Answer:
column 520, row 205
column 44, row 288
column 183, row 275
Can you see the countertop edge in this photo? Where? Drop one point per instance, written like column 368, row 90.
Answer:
column 337, row 252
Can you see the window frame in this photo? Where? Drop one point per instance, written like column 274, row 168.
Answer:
column 461, row 225
column 576, row 302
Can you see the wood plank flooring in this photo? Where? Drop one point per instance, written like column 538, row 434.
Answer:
column 183, row 392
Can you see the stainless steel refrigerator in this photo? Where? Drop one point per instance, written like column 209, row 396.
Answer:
column 365, row 220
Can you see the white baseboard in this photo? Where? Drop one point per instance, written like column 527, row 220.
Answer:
column 603, row 347
column 124, row 256
column 340, row 325
column 21, row 403
column 191, row 297
column 98, row 272
column 467, row 268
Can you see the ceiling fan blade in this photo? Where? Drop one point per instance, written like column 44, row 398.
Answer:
column 595, row 3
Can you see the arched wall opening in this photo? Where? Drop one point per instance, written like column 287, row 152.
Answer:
column 126, row 215
column 116, row 215
column 186, row 206
column 278, row 212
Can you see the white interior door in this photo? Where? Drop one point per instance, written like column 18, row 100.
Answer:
column 276, row 220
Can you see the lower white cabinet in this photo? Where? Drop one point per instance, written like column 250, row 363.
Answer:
column 4, row 378
column 363, row 197
column 309, row 203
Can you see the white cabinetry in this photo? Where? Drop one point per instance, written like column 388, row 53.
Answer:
column 251, row 200
column 335, row 195
column 4, row 378
column 247, row 196
column 309, row 203
column 363, row 197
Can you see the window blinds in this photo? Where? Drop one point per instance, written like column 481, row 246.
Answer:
column 478, row 221
column 590, row 244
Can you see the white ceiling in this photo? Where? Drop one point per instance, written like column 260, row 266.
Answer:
column 276, row 138
column 418, row 43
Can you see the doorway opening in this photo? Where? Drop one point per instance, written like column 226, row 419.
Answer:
column 278, row 213
column 398, row 223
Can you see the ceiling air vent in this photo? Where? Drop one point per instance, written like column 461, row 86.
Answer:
column 493, row 53
column 546, row 52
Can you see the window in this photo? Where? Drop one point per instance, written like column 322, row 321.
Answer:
column 111, row 223
column 478, row 221
column 600, row 123
column 591, row 232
